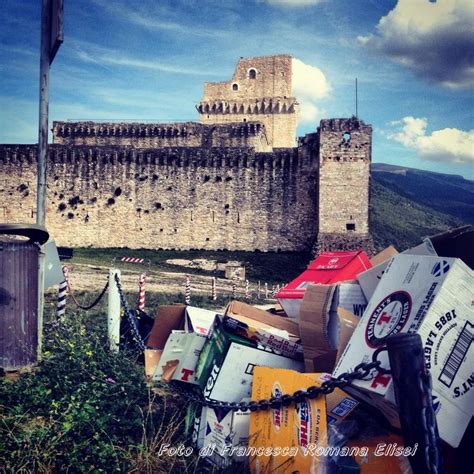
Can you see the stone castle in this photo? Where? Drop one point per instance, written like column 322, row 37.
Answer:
column 237, row 180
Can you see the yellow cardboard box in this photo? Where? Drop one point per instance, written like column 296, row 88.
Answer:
column 284, row 440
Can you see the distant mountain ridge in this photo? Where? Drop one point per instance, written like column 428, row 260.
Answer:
column 446, row 193
column 408, row 204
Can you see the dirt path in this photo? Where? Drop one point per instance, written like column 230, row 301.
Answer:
column 92, row 278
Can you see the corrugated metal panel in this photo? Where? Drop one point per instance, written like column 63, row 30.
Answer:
column 18, row 304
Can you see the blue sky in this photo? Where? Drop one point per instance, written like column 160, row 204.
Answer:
column 148, row 59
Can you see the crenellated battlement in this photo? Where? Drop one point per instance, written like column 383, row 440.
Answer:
column 94, row 129
column 266, row 105
column 343, row 125
column 140, row 135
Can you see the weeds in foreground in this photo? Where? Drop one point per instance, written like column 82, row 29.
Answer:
column 84, row 409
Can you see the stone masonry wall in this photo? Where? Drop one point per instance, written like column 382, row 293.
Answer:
column 344, row 172
column 280, row 129
column 181, row 198
column 260, row 89
column 273, row 78
column 162, row 135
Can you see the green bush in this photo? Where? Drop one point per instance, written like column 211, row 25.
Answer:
column 85, row 409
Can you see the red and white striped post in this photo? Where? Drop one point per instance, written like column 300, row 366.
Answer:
column 132, row 260
column 213, row 289
column 141, row 292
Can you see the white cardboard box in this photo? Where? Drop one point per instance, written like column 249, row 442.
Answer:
column 431, row 295
column 232, row 381
column 369, row 279
column 182, row 349
column 221, row 430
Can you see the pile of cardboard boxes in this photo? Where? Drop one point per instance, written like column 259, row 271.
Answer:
column 334, row 316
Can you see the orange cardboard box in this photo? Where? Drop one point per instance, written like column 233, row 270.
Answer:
column 282, row 440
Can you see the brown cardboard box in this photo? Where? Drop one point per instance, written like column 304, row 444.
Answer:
column 319, row 325
column 167, row 319
column 319, row 355
column 249, row 314
column 347, row 324
column 383, row 255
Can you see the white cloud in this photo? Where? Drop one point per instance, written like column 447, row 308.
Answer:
column 309, row 113
column 447, row 145
column 309, row 85
column 294, row 3
column 104, row 56
column 434, row 39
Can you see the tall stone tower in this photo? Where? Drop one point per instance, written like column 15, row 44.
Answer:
column 344, row 172
column 260, row 90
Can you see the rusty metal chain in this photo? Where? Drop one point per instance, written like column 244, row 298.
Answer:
column 130, row 317
column 360, row 372
column 89, row 306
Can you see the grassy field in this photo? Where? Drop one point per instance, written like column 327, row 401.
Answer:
column 272, row 267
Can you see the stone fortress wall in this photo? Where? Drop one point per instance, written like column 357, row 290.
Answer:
column 216, row 198
column 222, row 185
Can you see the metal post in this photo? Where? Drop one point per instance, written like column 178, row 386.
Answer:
column 113, row 316
column 412, row 387
column 357, row 101
column 42, row 152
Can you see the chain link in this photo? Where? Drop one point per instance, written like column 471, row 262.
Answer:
column 360, row 372
column 130, row 317
column 94, row 303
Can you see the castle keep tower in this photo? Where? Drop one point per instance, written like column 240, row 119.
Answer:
column 344, row 171
column 260, row 90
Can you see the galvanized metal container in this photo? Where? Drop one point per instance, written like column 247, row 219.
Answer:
column 18, row 304
column 18, row 299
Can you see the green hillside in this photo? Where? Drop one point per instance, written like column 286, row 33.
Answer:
column 402, row 222
column 448, row 194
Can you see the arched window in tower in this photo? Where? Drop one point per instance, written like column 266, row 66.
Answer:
column 235, row 86
column 252, row 74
